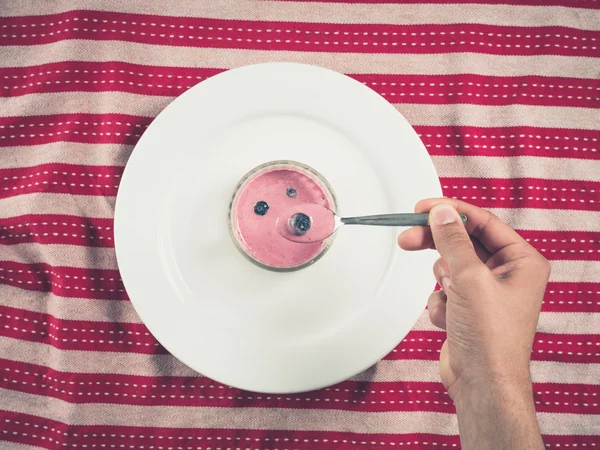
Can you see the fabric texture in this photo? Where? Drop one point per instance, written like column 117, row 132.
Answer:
column 505, row 98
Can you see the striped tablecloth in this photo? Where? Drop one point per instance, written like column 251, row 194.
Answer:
column 505, row 98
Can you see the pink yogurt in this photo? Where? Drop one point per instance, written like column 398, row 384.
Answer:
column 281, row 186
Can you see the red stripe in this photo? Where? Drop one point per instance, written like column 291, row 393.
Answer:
column 485, row 90
column 524, row 193
column 21, row 427
column 572, row 348
column 298, row 36
column 57, row 229
column 77, row 334
column 88, row 128
column 87, row 76
column 75, row 282
column 572, row 297
column 432, row 89
column 565, row 245
column 60, row 179
column 510, row 141
column 201, row 391
column 567, row 398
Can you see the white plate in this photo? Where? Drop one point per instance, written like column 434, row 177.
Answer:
column 223, row 316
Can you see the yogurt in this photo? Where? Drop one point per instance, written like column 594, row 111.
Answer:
column 260, row 200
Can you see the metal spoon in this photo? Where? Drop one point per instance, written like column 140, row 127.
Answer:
column 312, row 222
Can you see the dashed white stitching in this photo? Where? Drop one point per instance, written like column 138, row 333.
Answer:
column 54, row 172
column 226, row 397
column 58, row 275
column 469, row 83
column 60, row 286
column 313, row 42
column 85, row 341
column 559, row 352
column 530, row 187
column 83, row 330
column 336, row 32
column 45, row 224
column 76, row 122
column 512, row 136
column 130, row 83
column 470, row 94
column 56, row 183
column 545, row 199
column 83, row 236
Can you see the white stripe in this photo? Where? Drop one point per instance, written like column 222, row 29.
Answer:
column 549, row 219
column 77, row 361
column 16, row 446
column 569, row 424
column 362, row 13
column 69, row 308
column 519, row 167
column 428, row 371
column 549, row 322
column 417, row 114
column 65, row 153
column 61, row 255
column 506, row 116
column 44, row 203
column 353, row 63
column 575, row 271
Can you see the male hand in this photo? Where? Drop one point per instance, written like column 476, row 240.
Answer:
column 492, row 283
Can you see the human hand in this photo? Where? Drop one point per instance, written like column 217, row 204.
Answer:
column 492, row 284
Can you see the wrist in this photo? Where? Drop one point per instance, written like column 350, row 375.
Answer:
column 492, row 385
column 498, row 415
column 492, row 392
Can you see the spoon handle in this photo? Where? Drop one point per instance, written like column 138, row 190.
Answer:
column 393, row 220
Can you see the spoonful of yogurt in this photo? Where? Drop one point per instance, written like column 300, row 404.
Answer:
column 311, row 222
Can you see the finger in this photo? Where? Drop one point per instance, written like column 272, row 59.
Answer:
column 451, row 238
column 415, row 238
column 420, row 238
column 441, row 270
column 436, row 306
column 485, row 226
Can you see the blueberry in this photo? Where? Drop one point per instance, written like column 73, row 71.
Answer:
column 300, row 223
column 261, row 208
column 291, row 192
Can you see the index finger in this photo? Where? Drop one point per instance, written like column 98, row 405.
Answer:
column 485, row 226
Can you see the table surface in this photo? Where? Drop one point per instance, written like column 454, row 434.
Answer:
column 504, row 97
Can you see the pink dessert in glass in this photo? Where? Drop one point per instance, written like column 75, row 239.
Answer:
column 263, row 195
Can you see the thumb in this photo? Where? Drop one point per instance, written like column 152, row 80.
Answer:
column 451, row 238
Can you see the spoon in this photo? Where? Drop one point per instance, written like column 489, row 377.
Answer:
column 311, row 222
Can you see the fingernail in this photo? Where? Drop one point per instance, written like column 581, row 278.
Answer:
column 444, row 214
column 446, row 283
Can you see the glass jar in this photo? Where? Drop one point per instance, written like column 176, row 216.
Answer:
column 264, row 193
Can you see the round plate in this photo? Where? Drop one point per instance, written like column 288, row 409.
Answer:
column 223, row 316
